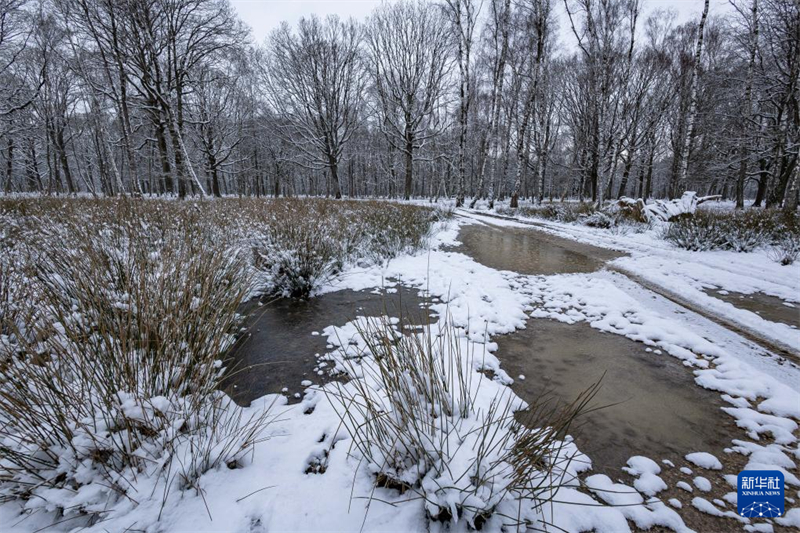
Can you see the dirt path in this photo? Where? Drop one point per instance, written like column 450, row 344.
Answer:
column 770, row 308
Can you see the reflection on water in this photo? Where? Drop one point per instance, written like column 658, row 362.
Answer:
column 278, row 351
column 653, row 406
column 528, row 251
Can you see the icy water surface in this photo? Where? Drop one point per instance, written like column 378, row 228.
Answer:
column 650, row 405
column 767, row 307
column 528, row 251
column 278, row 350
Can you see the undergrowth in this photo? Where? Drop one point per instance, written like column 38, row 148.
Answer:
column 114, row 316
column 739, row 231
column 705, row 229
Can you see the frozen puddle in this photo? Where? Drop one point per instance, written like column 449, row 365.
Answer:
column 650, row 405
column 767, row 307
column 284, row 336
column 528, row 251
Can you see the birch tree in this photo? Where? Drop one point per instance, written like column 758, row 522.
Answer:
column 463, row 15
column 679, row 183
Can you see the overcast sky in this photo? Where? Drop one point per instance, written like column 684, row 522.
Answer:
column 265, row 15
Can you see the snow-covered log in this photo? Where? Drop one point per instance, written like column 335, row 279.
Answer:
column 664, row 210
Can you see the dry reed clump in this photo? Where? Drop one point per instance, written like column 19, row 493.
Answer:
column 300, row 243
column 421, row 423
column 113, row 316
column 110, row 386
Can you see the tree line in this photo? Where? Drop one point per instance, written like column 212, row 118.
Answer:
column 468, row 99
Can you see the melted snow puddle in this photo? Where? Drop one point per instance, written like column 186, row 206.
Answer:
column 527, row 251
column 653, row 406
column 767, row 307
column 278, row 353
column 658, row 410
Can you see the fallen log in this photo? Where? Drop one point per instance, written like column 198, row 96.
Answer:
column 664, row 210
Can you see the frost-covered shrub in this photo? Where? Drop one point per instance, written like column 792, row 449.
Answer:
column 695, row 237
column 624, row 226
column 300, row 244
column 699, row 232
column 773, row 223
column 710, row 230
column 787, row 250
column 420, row 422
column 115, row 381
column 743, row 238
column 597, row 220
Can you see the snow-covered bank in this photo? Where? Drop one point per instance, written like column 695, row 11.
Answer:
column 688, row 274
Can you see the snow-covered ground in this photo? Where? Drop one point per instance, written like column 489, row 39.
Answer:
column 688, row 274
column 275, row 492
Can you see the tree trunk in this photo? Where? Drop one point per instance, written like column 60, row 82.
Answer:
column 166, row 169
column 763, row 180
column 748, row 102
column 9, row 163
column 409, row 161
column 648, row 182
column 626, row 172
column 680, row 184
column 177, row 154
column 36, row 176
column 61, row 151
column 176, row 131
column 790, row 200
column 215, row 181
column 334, row 166
column 489, row 146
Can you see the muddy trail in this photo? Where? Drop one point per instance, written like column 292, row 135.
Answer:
column 651, row 405
column 648, row 403
column 527, row 251
column 767, row 307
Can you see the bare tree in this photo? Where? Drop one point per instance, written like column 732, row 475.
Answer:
column 17, row 26
column 539, row 14
column 171, row 96
column 498, row 35
column 409, row 61
column 747, row 111
column 315, row 78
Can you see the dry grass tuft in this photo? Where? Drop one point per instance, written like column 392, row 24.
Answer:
column 422, row 425
column 114, row 314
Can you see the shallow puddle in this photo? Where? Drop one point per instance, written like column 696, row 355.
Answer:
column 767, row 307
column 279, row 349
column 529, row 251
column 653, row 406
